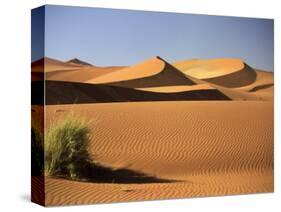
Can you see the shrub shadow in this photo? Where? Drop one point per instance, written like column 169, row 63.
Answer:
column 96, row 173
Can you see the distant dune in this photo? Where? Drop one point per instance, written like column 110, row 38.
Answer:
column 231, row 78
column 49, row 65
column 74, row 70
column 77, row 61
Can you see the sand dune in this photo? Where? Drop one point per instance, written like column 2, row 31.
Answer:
column 150, row 119
column 217, row 148
column 232, row 77
column 144, row 69
column 77, row 61
column 80, row 75
column 74, row 70
column 76, row 93
column 48, row 65
column 151, row 73
column 231, row 73
column 209, row 68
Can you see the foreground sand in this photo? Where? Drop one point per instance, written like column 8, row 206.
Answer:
column 207, row 148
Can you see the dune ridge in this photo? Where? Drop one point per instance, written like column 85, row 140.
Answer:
column 232, row 77
column 77, row 61
column 47, row 64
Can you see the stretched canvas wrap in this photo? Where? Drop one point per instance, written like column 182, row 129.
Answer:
column 139, row 105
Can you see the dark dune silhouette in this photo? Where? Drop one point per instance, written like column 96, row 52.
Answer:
column 58, row 92
column 78, row 62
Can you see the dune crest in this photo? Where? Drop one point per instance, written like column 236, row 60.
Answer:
column 47, row 64
column 163, row 75
column 77, row 61
column 229, row 73
column 209, row 68
column 144, row 69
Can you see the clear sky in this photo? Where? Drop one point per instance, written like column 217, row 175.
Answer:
column 124, row 37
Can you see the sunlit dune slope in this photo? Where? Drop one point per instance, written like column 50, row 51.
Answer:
column 150, row 73
column 82, row 75
column 209, row 68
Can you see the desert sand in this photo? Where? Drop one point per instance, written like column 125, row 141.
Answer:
column 218, row 148
column 150, row 118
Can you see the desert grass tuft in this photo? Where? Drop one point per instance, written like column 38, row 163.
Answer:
column 66, row 148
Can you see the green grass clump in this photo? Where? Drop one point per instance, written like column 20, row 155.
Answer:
column 37, row 150
column 66, row 148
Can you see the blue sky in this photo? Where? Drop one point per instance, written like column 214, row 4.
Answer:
column 107, row 37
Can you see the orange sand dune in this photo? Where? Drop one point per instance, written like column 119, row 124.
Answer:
column 49, row 65
column 151, row 73
column 217, row 148
column 260, row 90
column 81, row 75
column 77, row 61
column 232, row 77
column 147, row 68
column 74, row 70
column 210, row 68
column 230, row 73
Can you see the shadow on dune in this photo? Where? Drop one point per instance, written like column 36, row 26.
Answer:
column 245, row 76
column 260, row 87
column 58, row 92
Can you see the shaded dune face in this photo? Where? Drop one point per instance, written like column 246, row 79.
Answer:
column 243, row 77
column 260, row 87
column 168, row 76
column 76, row 61
column 76, row 93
